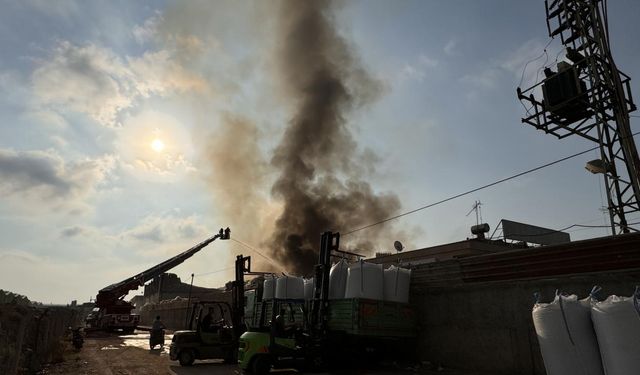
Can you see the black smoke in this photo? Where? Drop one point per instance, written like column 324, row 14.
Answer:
column 320, row 170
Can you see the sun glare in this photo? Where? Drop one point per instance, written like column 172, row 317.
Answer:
column 157, row 145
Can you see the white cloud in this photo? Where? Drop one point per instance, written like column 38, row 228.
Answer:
column 417, row 71
column 511, row 65
column 487, row 78
column 532, row 56
column 60, row 8
column 166, row 229
column 412, row 73
column 152, row 235
column 43, row 179
column 48, row 117
column 7, row 256
column 146, row 32
column 95, row 81
column 58, row 142
column 516, row 60
column 89, row 79
column 12, row 89
column 451, row 47
column 427, row 61
column 157, row 73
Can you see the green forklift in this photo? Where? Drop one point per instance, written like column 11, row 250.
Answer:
column 278, row 339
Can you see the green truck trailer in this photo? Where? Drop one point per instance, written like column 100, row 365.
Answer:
column 370, row 318
column 291, row 333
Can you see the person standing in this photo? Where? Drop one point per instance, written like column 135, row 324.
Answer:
column 157, row 324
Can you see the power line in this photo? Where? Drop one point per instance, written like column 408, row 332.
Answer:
column 212, row 272
column 544, row 52
column 475, row 190
column 253, row 249
column 259, row 253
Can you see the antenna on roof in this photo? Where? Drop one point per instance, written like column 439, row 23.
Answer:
column 478, row 210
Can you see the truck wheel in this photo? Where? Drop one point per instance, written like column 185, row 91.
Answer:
column 261, row 365
column 186, row 358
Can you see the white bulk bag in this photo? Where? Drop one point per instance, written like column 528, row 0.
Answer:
column 338, row 279
column 290, row 287
column 617, row 324
column 269, row 287
column 566, row 336
column 309, row 285
column 365, row 280
column 396, row 284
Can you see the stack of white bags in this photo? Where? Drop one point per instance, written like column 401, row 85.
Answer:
column 356, row 280
column 589, row 337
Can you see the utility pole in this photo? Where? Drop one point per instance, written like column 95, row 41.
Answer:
column 186, row 323
column 588, row 96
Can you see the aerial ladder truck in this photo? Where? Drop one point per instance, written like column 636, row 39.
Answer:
column 112, row 312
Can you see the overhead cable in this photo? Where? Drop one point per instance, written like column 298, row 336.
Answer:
column 259, row 253
column 474, row 190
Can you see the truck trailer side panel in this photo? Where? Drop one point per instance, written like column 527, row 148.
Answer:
column 363, row 317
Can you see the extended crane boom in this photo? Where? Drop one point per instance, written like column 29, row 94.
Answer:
column 113, row 312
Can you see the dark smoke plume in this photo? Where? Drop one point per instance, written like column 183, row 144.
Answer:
column 319, row 179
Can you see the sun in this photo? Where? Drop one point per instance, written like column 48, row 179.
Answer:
column 157, row 145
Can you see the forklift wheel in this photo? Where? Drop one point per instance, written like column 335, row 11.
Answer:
column 186, row 358
column 261, row 365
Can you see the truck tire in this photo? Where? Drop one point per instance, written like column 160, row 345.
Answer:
column 186, row 358
column 261, row 365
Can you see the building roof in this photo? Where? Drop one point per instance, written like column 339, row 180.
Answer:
column 444, row 252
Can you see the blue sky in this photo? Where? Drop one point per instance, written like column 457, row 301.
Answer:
column 86, row 88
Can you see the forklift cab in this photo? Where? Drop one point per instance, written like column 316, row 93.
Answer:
column 210, row 334
column 287, row 318
column 212, row 321
column 285, row 325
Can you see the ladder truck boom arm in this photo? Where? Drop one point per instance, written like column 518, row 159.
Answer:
column 108, row 295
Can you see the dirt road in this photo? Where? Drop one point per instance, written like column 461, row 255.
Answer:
column 105, row 354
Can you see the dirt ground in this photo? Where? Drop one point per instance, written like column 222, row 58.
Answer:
column 104, row 354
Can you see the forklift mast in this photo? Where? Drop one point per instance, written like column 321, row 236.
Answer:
column 329, row 241
column 243, row 266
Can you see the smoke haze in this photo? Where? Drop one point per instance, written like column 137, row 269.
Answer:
column 317, row 173
column 318, row 168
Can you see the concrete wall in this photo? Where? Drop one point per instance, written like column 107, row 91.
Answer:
column 173, row 313
column 168, row 286
column 31, row 337
column 488, row 326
